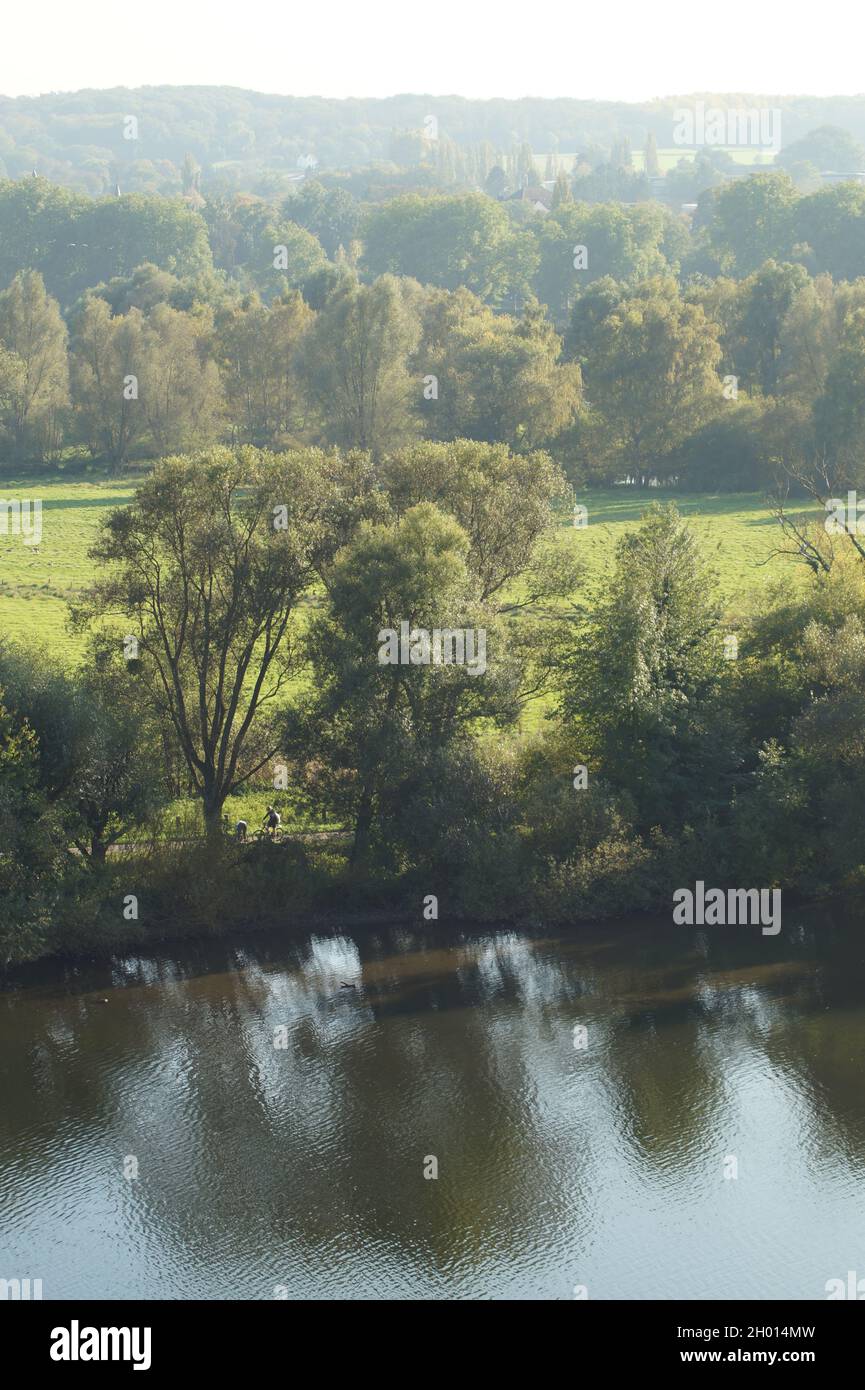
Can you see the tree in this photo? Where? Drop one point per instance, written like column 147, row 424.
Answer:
column 733, row 452
column 449, row 241
column 180, row 394
column 839, row 411
column 11, row 383
column 828, row 148
column 621, row 242
column 119, row 234
column 263, row 248
column 499, row 378
column 504, row 502
column 596, row 302
column 752, row 220
column 608, row 183
column 98, row 763
column 32, row 328
column 561, row 191
column 832, row 223
column 146, row 287
column 621, row 156
column 332, row 215
column 77, row 242
column 643, row 671
column 809, row 337
column 107, row 359
column 190, row 175
column 354, row 365
column 496, row 182
column 374, row 724
column 754, row 338
column 258, row 349
column 650, row 380
column 30, row 855
column 799, row 820
column 205, row 569
column 650, row 162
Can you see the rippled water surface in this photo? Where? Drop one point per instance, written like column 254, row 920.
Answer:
column 299, row 1168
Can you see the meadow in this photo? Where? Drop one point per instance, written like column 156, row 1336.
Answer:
column 36, row 582
column 669, row 156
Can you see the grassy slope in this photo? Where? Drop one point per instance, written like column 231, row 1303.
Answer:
column 35, row 583
column 737, row 530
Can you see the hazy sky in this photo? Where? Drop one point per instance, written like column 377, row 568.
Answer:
column 623, row 49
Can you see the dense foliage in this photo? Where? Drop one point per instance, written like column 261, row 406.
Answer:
column 364, row 405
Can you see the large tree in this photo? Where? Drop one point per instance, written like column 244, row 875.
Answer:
column 506, row 503
column 450, row 240
column 642, row 673
column 204, row 570
column 499, row 378
column 374, row 724
column 651, row 380
column 832, row 223
column 355, row 365
column 257, row 347
column 623, row 242
column 107, row 359
column 181, row 395
column 753, row 220
column 32, row 328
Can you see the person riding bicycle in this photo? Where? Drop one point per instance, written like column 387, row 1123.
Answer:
column 272, row 820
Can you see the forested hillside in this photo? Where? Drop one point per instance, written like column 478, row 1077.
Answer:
column 84, row 138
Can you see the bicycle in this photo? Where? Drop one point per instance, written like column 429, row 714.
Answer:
column 264, row 834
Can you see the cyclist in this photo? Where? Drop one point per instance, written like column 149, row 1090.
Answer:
column 272, row 820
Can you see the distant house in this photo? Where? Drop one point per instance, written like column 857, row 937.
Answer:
column 540, row 198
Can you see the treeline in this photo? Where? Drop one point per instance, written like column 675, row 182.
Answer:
column 503, row 251
column 235, row 634
column 377, row 366
column 717, row 385
column 82, row 138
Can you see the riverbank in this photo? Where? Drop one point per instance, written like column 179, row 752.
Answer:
column 301, row 891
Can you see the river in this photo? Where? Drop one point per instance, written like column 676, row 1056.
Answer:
column 630, row 1110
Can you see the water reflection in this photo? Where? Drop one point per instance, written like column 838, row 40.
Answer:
column 302, row 1164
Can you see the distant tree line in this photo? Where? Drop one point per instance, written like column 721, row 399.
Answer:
column 85, row 140
column 450, row 322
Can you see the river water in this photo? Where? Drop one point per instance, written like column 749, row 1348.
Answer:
column 227, row 1122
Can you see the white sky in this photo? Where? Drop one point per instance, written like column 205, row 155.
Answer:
column 619, row 49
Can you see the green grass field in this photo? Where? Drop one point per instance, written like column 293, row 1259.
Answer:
column 35, row 582
column 669, row 156
column 737, row 530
